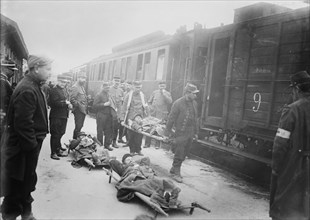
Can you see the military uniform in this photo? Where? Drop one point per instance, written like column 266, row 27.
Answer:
column 78, row 99
column 183, row 117
column 58, row 117
column 104, row 118
column 117, row 95
column 6, row 93
column 134, row 104
column 290, row 185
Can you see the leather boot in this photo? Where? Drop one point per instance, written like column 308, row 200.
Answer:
column 114, row 144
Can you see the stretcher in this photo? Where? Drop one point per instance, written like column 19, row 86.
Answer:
column 157, row 208
column 146, row 133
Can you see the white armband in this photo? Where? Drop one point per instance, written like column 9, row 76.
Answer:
column 283, row 133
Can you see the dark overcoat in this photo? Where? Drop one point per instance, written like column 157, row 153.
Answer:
column 27, row 126
column 57, row 102
column 78, row 98
column 182, row 119
column 290, row 200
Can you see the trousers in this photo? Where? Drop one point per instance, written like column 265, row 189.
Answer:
column 79, row 119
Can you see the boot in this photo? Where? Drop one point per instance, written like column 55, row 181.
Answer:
column 177, row 178
column 176, row 171
column 27, row 212
column 54, row 156
column 109, row 148
column 115, row 144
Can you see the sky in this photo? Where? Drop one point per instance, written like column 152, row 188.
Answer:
column 74, row 32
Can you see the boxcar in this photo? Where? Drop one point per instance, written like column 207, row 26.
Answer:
column 245, row 83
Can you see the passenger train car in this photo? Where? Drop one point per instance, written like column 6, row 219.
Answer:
column 242, row 70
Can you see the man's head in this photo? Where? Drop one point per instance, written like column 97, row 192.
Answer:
column 162, row 85
column 127, row 159
column 81, row 76
column 137, row 86
column 81, row 134
column 116, row 81
column 105, row 86
column 8, row 67
column 40, row 67
column 61, row 81
column 191, row 91
column 300, row 82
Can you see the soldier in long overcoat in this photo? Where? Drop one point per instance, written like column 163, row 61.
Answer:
column 27, row 127
column 78, row 99
column 105, row 112
column 117, row 96
column 183, row 116
column 290, row 187
column 7, row 71
column 59, row 114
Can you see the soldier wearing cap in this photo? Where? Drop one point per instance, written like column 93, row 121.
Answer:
column 27, row 126
column 8, row 67
column 105, row 112
column 134, row 104
column 117, row 96
column 159, row 102
column 290, row 180
column 59, row 114
column 78, row 99
column 183, row 117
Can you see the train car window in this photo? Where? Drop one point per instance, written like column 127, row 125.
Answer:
column 128, row 67
column 139, row 67
column 147, row 69
column 160, row 64
column 123, row 68
column 113, row 69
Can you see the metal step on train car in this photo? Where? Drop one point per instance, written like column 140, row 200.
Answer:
column 242, row 70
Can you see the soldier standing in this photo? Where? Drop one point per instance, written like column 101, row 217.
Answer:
column 134, row 104
column 183, row 117
column 59, row 114
column 78, row 100
column 117, row 96
column 27, row 126
column 290, row 185
column 7, row 71
column 159, row 102
column 105, row 109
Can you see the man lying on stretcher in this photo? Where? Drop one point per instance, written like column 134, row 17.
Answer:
column 138, row 176
column 87, row 149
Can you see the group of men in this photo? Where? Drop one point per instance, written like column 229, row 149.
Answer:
column 24, row 125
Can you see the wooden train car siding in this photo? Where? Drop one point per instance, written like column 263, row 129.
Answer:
column 267, row 51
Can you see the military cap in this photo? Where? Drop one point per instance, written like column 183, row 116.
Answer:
column 9, row 64
column 191, row 88
column 125, row 156
column 38, row 60
column 162, row 82
column 81, row 74
column 301, row 77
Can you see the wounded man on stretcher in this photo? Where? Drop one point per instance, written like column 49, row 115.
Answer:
column 138, row 176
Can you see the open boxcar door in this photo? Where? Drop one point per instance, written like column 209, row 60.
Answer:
column 217, row 70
